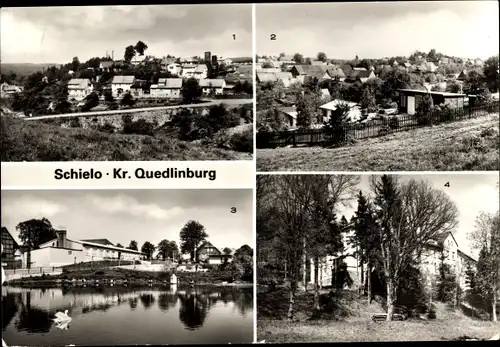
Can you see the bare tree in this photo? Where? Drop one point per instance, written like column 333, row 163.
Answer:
column 409, row 216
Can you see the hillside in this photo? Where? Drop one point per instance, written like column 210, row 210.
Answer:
column 24, row 69
column 466, row 145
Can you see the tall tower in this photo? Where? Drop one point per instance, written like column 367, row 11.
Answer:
column 207, row 57
column 214, row 60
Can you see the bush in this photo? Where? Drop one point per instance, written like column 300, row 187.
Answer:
column 106, row 128
column 394, row 123
column 74, row 122
column 243, row 142
column 127, row 100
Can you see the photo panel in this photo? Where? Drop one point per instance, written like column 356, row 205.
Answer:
column 127, row 83
column 127, row 267
column 382, row 86
column 377, row 257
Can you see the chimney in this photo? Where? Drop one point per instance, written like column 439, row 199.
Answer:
column 214, row 60
column 61, row 237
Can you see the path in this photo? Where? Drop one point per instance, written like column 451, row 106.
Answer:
column 229, row 102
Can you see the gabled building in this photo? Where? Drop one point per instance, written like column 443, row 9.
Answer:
column 301, row 72
column 139, row 89
column 79, row 88
column 106, row 65
column 63, row 251
column 201, row 72
column 212, row 86
column 210, row 254
column 167, row 88
column 360, row 75
column 10, row 250
column 121, row 85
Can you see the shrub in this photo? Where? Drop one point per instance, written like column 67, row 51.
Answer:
column 140, row 126
column 243, row 142
column 127, row 100
column 106, row 128
column 74, row 122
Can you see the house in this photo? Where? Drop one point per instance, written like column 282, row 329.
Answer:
column 63, row 251
column 10, row 250
column 174, row 69
column 427, row 66
column 336, row 74
column 462, row 76
column 106, row 65
column 79, row 88
column 411, row 98
column 360, row 75
column 167, row 88
column 201, row 72
column 215, row 86
column 121, row 85
column 291, row 115
column 211, row 254
column 300, row 72
column 353, row 115
column 225, row 61
column 139, row 89
column 138, row 59
column 444, row 249
column 7, row 90
column 166, row 61
column 285, row 77
column 325, row 93
column 188, row 71
column 266, row 77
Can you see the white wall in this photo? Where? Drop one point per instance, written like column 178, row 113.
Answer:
column 53, row 257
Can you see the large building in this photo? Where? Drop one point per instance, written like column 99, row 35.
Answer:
column 63, row 251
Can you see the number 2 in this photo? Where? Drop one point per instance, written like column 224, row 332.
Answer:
column 273, row 37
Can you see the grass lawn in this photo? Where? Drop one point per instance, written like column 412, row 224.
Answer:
column 466, row 145
column 350, row 320
column 35, row 141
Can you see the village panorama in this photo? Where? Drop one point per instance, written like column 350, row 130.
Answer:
column 389, row 98
column 130, row 103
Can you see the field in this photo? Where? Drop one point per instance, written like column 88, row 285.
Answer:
column 34, row 141
column 351, row 321
column 460, row 146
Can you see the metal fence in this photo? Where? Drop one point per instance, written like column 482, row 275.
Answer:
column 33, row 271
column 379, row 126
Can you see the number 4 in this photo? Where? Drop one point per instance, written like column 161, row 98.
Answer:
column 447, row 184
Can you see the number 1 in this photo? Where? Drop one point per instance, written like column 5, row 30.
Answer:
column 234, row 36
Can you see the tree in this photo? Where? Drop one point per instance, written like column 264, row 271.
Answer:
column 408, row 216
column 127, row 100
column 33, row 233
column 486, row 238
column 298, row 58
column 149, row 249
column 307, row 109
column 453, row 87
column 133, row 245
column 167, row 249
column 367, row 101
column 140, row 47
column 191, row 91
column 336, row 123
column 321, row 57
column 75, row 64
column 490, row 71
column 192, row 235
column 91, row 101
column 129, row 53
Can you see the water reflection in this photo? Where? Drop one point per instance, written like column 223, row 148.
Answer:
column 99, row 315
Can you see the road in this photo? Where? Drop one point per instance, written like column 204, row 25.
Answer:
column 229, row 102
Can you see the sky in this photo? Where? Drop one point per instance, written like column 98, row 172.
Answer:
column 468, row 29
column 57, row 34
column 472, row 193
column 142, row 215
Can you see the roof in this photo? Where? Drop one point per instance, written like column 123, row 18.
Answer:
column 168, row 60
column 266, row 76
column 332, row 105
column 361, row 74
column 359, row 69
column 325, row 92
column 432, row 92
column 123, row 80
column 79, row 82
column 90, row 243
column 291, row 111
column 201, row 68
column 4, row 229
column 215, row 83
column 286, row 58
column 174, row 83
column 100, row 241
column 468, row 257
column 336, row 72
column 317, row 71
column 138, row 84
column 317, row 62
column 207, row 244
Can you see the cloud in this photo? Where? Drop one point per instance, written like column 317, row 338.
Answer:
column 28, row 207
column 128, row 205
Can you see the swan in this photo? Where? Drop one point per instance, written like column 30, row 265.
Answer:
column 62, row 317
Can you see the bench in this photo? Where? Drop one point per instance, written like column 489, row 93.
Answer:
column 383, row 316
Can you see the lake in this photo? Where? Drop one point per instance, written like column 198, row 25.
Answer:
column 127, row 315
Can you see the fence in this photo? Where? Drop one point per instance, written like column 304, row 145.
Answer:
column 33, row 271
column 380, row 126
